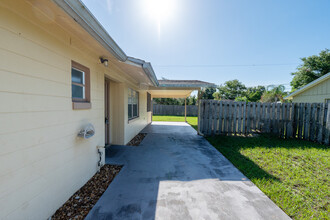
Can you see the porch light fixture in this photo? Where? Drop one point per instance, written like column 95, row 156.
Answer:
column 104, row 61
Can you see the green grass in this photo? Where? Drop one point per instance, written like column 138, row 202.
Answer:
column 295, row 174
column 191, row 120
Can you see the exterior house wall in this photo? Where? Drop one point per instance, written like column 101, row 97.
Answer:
column 134, row 126
column 117, row 109
column 318, row 93
column 42, row 162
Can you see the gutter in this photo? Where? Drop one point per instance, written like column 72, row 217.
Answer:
column 147, row 68
column 80, row 13
column 188, row 85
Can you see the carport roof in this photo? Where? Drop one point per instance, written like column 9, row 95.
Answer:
column 177, row 88
column 185, row 83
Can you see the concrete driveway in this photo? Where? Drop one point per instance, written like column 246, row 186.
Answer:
column 176, row 174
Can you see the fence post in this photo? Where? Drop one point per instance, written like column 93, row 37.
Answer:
column 216, row 117
column 254, row 121
column 235, row 118
column 327, row 125
column 290, row 116
column 244, row 119
column 220, row 117
column 199, row 117
column 313, row 120
column 273, row 121
column 307, row 121
column 239, row 117
column 185, row 109
column 320, row 124
column 211, row 110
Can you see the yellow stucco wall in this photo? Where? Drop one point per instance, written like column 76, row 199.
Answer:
column 42, row 162
column 134, row 126
column 122, row 129
column 319, row 93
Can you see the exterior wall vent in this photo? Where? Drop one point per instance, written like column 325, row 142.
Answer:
column 87, row 132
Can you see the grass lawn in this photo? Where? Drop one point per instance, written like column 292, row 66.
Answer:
column 191, row 120
column 295, row 174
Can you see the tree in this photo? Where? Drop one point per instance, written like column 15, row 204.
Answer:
column 191, row 100
column 241, row 99
column 253, row 94
column 312, row 68
column 167, row 101
column 207, row 93
column 274, row 94
column 230, row 90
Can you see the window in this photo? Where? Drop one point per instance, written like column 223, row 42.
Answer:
column 80, row 79
column 148, row 102
column 133, row 104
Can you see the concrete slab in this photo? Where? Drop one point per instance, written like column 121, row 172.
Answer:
column 176, row 174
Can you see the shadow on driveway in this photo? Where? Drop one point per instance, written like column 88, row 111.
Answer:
column 176, row 174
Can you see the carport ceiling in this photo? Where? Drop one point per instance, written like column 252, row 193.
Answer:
column 177, row 88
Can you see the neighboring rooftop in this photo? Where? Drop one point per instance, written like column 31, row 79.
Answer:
column 184, row 83
column 308, row 86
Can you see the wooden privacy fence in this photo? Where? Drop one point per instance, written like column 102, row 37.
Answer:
column 192, row 110
column 308, row 121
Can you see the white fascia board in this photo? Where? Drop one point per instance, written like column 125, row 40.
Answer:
column 188, row 85
column 80, row 13
column 147, row 68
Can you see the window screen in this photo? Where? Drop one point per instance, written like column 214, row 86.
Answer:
column 133, row 104
column 148, row 102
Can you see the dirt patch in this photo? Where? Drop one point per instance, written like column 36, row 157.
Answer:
column 78, row 206
column 137, row 139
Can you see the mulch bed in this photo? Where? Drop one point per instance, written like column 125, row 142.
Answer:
column 137, row 139
column 78, row 206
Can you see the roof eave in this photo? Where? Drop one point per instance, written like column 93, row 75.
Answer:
column 147, row 68
column 187, row 85
column 79, row 12
column 311, row 84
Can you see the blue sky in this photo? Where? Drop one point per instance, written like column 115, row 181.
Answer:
column 258, row 42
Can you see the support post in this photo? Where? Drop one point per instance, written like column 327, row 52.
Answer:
column 185, row 109
column 199, row 109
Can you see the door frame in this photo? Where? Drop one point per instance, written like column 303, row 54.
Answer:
column 107, row 127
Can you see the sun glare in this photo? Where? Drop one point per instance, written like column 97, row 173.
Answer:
column 160, row 9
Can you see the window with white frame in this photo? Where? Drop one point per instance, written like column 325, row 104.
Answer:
column 80, row 81
column 78, row 84
column 133, row 104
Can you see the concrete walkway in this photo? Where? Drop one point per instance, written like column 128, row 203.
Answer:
column 176, row 174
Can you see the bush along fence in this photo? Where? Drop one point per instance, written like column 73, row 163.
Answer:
column 308, row 121
column 177, row 110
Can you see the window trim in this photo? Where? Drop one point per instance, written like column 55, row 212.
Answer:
column 78, row 103
column 138, row 105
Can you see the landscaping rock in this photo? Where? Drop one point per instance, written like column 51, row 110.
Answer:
column 86, row 197
column 137, row 139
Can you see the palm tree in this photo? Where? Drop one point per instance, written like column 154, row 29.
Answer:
column 274, row 94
